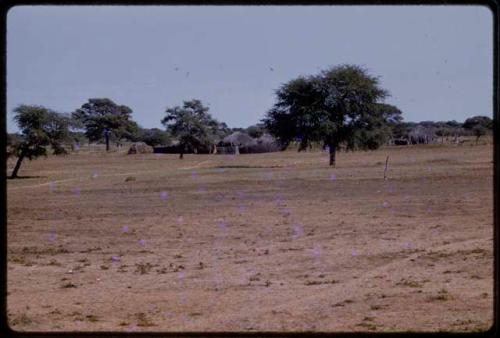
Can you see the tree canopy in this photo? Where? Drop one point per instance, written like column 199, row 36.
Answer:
column 153, row 137
column 40, row 128
column 339, row 105
column 193, row 126
column 102, row 117
column 479, row 125
column 256, row 130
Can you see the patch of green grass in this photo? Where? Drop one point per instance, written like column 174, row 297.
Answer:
column 23, row 319
column 143, row 321
column 21, row 260
column 410, row 283
column 53, row 262
column 92, row 318
column 316, row 282
column 369, row 326
column 442, row 295
column 143, row 268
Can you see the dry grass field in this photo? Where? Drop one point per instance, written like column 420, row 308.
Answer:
column 262, row 242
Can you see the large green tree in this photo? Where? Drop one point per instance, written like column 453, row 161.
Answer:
column 479, row 125
column 340, row 105
column 256, row 130
column 153, row 137
column 40, row 128
column 103, row 118
column 192, row 126
column 379, row 127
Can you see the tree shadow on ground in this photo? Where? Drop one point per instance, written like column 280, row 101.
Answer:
column 24, row 177
column 245, row 166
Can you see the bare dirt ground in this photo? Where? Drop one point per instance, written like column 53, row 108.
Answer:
column 263, row 242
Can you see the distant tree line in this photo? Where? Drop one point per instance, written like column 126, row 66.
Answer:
column 339, row 108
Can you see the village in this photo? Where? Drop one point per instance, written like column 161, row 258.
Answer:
column 249, row 169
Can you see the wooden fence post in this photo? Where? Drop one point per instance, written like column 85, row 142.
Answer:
column 385, row 169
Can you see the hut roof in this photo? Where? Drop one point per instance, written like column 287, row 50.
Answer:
column 240, row 139
column 421, row 130
column 266, row 138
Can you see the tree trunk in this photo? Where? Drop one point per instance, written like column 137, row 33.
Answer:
column 18, row 165
column 183, row 148
column 333, row 151
column 107, row 142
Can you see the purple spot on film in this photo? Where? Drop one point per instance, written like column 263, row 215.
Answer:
column 164, row 195
column 180, row 220
column 316, row 251
column 279, row 199
column 52, row 236
column 194, row 174
column 51, row 186
column 333, row 177
column 385, row 204
column 354, row 253
column 94, row 175
column 142, row 242
column 115, row 259
column 298, row 231
column 221, row 224
column 76, row 191
column 125, row 229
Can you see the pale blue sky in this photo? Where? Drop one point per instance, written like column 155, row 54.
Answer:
column 436, row 61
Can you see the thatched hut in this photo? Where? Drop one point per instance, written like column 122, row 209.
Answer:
column 422, row 135
column 240, row 142
column 239, row 139
column 140, row 148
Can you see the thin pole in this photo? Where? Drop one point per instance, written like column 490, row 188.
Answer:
column 385, row 170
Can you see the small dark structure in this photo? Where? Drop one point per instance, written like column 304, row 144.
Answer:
column 242, row 143
column 236, row 143
column 176, row 149
column 401, row 142
column 173, row 149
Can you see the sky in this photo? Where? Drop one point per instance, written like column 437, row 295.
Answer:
column 436, row 61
